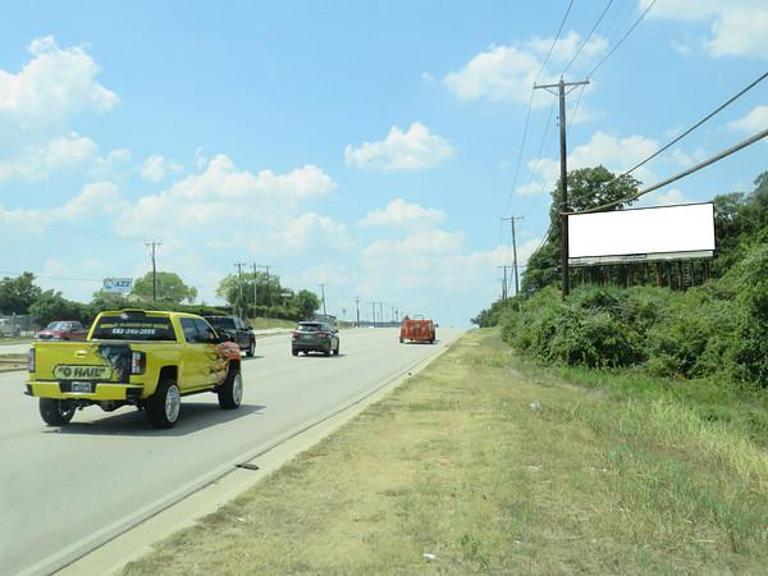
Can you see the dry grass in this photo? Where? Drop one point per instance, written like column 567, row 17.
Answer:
column 494, row 474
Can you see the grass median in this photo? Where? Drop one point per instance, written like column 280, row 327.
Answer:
column 478, row 465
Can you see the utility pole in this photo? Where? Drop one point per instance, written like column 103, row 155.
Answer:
column 514, row 250
column 357, row 306
column 269, row 290
column 373, row 313
column 561, row 86
column 239, row 266
column 255, row 298
column 381, row 312
column 152, row 246
column 504, row 283
column 322, row 291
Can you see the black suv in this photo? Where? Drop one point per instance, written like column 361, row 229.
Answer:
column 237, row 329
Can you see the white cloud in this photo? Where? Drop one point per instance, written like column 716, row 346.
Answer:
column 156, row 168
column 430, row 271
column 755, row 121
column 223, row 204
column 615, row 153
column 33, row 162
column 737, row 27
column 55, row 84
column 668, row 198
column 507, row 73
column 400, row 213
column 97, row 197
column 321, row 228
column 414, row 149
column 410, row 262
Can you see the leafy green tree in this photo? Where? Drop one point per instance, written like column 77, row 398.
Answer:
column 170, row 288
column 238, row 290
column 103, row 300
column 305, row 303
column 18, row 294
column 52, row 305
column 587, row 188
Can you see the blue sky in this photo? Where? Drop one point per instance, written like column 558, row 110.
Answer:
column 370, row 146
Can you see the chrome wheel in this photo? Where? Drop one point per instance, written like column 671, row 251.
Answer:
column 237, row 389
column 172, row 403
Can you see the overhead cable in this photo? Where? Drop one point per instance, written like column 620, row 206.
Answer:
column 716, row 158
column 624, row 37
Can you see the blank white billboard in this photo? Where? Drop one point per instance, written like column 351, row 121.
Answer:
column 661, row 233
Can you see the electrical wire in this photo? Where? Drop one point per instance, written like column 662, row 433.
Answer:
column 554, row 42
column 699, row 123
column 716, row 158
column 530, row 105
column 693, row 127
column 621, row 40
column 588, row 37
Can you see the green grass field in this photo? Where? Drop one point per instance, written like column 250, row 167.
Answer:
column 266, row 323
column 482, row 464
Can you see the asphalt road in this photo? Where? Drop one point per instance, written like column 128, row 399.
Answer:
column 59, row 487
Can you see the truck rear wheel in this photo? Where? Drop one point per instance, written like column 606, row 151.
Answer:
column 164, row 406
column 231, row 392
column 57, row 412
column 251, row 348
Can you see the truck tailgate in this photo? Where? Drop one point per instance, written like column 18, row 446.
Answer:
column 90, row 361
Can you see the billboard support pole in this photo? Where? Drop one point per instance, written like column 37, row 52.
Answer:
column 561, row 93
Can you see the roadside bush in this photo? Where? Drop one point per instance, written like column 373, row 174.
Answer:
column 751, row 350
column 667, row 333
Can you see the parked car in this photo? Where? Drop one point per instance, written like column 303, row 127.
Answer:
column 62, row 330
column 313, row 336
column 240, row 331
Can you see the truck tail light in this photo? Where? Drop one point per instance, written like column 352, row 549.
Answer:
column 31, row 360
column 138, row 362
column 296, row 335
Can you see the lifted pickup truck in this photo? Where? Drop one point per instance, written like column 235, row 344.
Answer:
column 135, row 357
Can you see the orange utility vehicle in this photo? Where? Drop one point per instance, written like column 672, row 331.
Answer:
column 417, row 329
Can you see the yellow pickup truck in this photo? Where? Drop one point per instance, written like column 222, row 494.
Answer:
column 135, row 357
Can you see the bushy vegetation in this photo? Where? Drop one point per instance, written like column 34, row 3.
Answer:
column 644, row 318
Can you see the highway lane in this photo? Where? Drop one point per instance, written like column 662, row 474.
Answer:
column 58, row 486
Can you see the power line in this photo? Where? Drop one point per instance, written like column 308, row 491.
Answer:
column 530, row 104
column 716, row 158
column 554, row 42
column 695, row 126
column 699, row 123
column 621, row 40
column 589, row 36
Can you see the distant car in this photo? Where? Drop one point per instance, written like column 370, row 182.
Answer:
column 240, row 331
column 62, row 330
column 313, row 336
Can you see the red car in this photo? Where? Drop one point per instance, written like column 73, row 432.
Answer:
column 62, row 330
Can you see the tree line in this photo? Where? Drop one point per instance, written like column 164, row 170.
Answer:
column 248, row 295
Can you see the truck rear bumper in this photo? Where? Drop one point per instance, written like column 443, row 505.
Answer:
column 102, row 391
